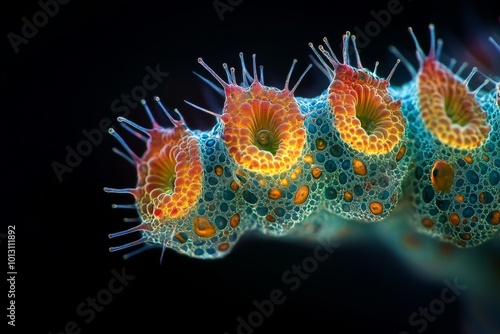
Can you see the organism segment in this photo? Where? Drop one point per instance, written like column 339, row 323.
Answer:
column 264, row 131
column 454, row 134
column 364, row 139
column 186, row 196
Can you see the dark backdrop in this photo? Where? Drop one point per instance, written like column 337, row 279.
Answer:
column 64, row 79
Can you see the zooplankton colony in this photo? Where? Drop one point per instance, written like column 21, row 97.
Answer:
column 355, row 152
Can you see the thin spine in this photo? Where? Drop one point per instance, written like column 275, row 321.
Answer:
column 134, row 156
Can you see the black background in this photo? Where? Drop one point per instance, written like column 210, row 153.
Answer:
column 64, row 81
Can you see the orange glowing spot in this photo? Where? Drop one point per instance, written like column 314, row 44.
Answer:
column 218, row 170
column 234, row 185
column 235, row 220
column 275, row 193
column 270, row 218
column 484, row 197
column 376, row 208
column 320, row 144
column 493, row 217
column 293, row 176
column 298, row 171
column 224, row 246
column 454, row 219
column 428, row 223
column 180, row 238
column 284, row 182
column 359, row 167
column 301, row 194
column 442, row 176
column 316, row 172
column 401, row 152
column 203, row 227
column 262, row 183
column 348, row 196
column 466, row 236
column 309, row 159
column 468, row 159
column 459, row 198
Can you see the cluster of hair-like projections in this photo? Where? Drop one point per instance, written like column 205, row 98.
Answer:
column 355, row 151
